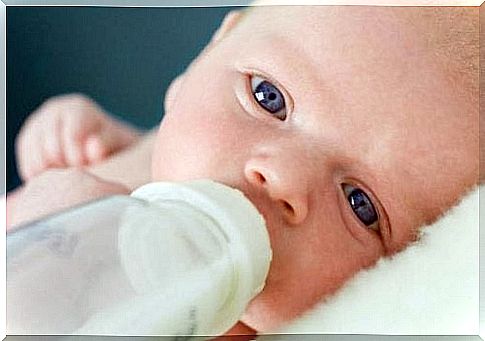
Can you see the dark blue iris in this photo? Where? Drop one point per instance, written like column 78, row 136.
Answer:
column 269, row 97
column 362, row 206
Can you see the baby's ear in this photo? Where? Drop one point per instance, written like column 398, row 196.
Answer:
column 172, row 91
column 230, row 20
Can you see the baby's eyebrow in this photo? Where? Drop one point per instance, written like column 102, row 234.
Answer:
column 299, row 72
column 284, row 59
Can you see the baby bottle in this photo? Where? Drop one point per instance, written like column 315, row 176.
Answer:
column 171, row 259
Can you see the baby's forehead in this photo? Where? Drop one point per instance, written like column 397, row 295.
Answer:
column 400, row 51
column 382, row 43
column 450, row 33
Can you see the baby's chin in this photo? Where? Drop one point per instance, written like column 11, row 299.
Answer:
column 266, row 315
column 278, row 304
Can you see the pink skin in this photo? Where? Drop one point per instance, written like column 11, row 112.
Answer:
column 359, row 112
column 80, row 133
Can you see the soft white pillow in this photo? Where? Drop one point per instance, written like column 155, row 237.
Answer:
column 429, row 288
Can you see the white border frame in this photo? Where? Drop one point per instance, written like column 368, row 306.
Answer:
column 226, row 3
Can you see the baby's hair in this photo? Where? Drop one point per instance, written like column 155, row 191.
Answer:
column 460, row 38
column 453, row 34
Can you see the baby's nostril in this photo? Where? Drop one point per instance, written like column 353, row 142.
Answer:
column 260, row 178
column 288, row 208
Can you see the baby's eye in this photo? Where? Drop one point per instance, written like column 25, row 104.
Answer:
column 362, row 206
column 268, row 97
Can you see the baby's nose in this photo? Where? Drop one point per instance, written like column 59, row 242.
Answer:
column 283, row 184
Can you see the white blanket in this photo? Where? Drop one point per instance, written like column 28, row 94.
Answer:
column 429, row 288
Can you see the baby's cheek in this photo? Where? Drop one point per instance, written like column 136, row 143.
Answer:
column 187, row 147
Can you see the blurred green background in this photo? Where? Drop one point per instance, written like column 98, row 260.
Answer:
column 124, row 58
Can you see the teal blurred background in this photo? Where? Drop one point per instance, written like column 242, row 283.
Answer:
column 124, row 58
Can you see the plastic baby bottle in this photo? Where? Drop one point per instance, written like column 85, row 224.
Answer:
column 171, row 259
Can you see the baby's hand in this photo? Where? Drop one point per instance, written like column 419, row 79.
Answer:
column 55, row 190
column 67, row 131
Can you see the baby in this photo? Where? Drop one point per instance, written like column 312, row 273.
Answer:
column 347, row 127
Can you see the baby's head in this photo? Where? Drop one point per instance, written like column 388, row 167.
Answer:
column 347, row 127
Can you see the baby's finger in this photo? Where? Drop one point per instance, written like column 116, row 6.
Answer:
column 29, row 155
column 109, row 140
column 52, row 146
column 20, row 156
column 94, row 149
column 115, row 136
column 73, row 153
column 73, row 133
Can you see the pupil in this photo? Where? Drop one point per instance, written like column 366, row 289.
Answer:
column 359, row 200
column 270, row 98
column 362, row 207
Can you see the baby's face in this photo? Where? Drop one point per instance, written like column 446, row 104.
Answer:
column 339, row 125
